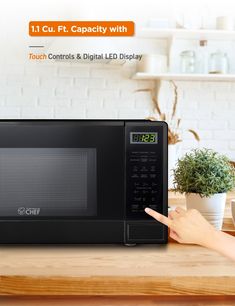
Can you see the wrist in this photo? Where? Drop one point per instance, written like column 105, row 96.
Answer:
column 212, row 239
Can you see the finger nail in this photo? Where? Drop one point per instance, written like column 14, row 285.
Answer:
column 147, row 210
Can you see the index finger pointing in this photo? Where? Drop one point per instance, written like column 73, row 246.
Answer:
column 159, row 217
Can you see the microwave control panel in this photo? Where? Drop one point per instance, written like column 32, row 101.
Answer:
column 144, row 170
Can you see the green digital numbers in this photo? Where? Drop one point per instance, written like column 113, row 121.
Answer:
column 143, row 138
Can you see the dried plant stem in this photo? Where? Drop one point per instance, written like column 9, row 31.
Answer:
column 156, row 105
column 173, row 137
column 151, row 118
column 173, row 123
column 195, row 134
column 178, row 123
column 175, row 100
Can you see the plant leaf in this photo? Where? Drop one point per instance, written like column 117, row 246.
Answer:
column 205, row 172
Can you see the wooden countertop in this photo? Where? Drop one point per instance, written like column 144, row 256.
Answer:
column 115, row 270
column 144, row 270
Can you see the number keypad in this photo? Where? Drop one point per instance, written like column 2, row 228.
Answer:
column 143, row 181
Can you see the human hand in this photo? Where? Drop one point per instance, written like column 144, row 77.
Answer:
column 187, row 226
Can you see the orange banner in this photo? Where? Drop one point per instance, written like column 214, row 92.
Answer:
column 81, row 28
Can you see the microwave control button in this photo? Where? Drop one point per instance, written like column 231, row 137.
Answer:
column 135, row 175
column 144, row 176
column 134, row 159
column 145, row 192
column 146, row 188
column 143, row 169
column 135, row 206
column 154, row 207
column 143, row 188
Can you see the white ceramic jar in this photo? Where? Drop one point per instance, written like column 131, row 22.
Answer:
column 152, row 63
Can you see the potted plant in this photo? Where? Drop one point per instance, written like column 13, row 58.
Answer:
column 205, row 176
column 173, row 121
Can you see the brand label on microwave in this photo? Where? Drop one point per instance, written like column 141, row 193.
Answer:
column 28, row 211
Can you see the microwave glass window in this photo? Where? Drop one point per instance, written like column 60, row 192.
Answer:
column 143, row 138
column 48, row 182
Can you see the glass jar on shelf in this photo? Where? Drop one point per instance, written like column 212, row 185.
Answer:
column 219, row 63
column 188, row 61
column 202, row 57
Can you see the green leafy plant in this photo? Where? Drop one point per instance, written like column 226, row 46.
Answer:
column 205, row 172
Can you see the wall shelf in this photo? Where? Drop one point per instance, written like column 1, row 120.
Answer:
column 185, row 77
column 172, row 35
column 186, row 34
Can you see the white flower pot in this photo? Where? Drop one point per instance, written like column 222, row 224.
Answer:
column 212, row 208
column 173, row 155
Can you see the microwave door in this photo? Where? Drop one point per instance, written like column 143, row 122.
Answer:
column 62, row 170
column 48, row 182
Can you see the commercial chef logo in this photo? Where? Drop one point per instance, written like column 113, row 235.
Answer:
column 27, row 211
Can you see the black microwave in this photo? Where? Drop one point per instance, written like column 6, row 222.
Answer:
column 82, row 181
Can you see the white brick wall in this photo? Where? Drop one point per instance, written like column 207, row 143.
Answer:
column 60, row 90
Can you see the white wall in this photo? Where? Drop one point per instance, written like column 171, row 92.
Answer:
column 62, row 90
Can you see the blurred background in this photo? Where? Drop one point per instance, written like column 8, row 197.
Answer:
column 63, row 89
